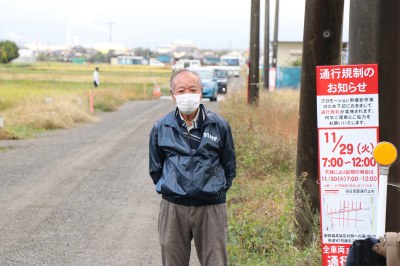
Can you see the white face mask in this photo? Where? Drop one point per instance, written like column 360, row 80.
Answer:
column 187, row 103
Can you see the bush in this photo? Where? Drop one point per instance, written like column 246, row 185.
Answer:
column 8, row 51
column 107, row 100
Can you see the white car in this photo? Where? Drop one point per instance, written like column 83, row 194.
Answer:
column 155, row 62
column 185, row 63
column 232, row 64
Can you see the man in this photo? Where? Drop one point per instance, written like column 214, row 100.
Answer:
column 96, row 79
column 192, row 164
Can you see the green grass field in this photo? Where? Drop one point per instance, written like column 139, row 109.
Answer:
column 261, row 204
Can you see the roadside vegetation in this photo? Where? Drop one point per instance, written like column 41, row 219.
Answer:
column 261, row 202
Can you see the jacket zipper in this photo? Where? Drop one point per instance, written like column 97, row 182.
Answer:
column 190, row 165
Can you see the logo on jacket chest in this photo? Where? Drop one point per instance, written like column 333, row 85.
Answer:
column 208, row 135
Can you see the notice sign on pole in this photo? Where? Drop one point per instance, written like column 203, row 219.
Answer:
column 348, row 127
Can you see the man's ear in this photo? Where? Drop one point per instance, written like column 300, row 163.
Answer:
column 173, row 96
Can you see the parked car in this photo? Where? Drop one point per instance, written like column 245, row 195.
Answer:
column 185, row 63
column 209, row 81
column 233, row 64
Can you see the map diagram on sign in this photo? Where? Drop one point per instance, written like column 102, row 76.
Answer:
column 348, row 215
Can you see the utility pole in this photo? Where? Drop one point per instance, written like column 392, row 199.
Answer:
column 275, row 42
column 266, row 46
column 322, row 45
column 374, row 38
column 110, row 32
column 253, row 93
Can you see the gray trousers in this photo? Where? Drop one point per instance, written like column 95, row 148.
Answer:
column 206, row 225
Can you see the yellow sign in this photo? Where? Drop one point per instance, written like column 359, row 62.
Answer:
column 385, row 153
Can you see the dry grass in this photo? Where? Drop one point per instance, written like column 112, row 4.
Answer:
column 50, row 113
column 7, row 135
column 277, row 112
column 266, row 135
column 261, row 200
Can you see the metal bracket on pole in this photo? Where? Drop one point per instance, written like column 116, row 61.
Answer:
column 385, row 153
column 382, row 194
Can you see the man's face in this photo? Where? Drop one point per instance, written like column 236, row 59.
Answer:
column 186, row 82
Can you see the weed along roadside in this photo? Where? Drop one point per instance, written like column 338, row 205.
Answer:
column 261, row 201
column 3, row 134
column 47, row 96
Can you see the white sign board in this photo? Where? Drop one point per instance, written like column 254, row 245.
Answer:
column 348, row 127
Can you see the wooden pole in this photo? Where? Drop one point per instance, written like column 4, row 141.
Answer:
column 374, row 37
column 322, row 45
column 266, row 46
column 254, row 76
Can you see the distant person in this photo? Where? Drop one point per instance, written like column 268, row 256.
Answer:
column 192, row 164
column 96, row 78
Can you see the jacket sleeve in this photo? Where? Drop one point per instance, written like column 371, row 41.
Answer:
column 156, row 156
column 228, row 156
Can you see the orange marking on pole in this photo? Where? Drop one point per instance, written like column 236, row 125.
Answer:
column 91, row 101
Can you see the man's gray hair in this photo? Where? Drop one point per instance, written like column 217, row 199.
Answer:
column 176, row 73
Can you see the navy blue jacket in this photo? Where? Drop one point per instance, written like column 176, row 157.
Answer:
column 192, row 177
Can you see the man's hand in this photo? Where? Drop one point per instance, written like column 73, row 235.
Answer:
column 389, row 239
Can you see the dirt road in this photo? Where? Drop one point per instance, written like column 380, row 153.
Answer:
column 82, row 196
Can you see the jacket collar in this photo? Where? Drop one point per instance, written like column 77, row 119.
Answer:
column 174, row 120
column 197, row 121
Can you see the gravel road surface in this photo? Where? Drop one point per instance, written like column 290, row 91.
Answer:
column 83, row 196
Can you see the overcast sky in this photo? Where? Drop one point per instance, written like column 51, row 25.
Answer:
column 215, row 24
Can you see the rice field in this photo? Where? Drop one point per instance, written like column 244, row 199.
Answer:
column 30, row 94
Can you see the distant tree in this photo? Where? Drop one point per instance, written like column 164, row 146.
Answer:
column 8, row 51
column 139, row 51
column 109, row 55
column 42, row 57
column 98, row 58
column 296, row 62
column 222, row 52
column 79, row 49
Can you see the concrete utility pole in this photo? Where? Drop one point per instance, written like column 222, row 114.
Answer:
column 322, row 45
column 110, row 35
column 374, row 37
column 266, row 46
column 253, row 93
column 275, row 42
